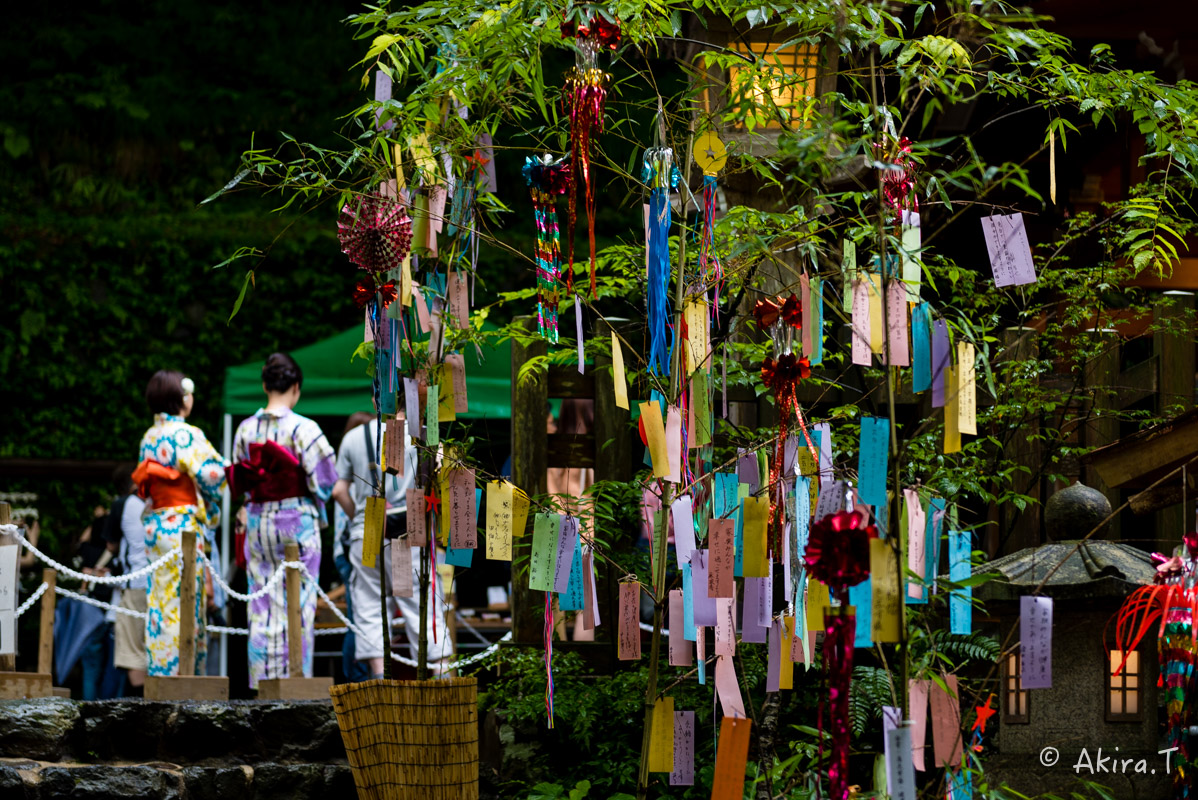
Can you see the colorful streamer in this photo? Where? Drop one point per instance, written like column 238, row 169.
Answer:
column 662, row 177
column 546, row 180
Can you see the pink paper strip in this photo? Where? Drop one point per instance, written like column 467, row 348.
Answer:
column 916, row 530
column 721, row 557
column 463, row 512
column 946, row 723
column 918, row 691
column 705, row 608
column 401, row 568
column 415, row 516
column 751, row 630
column 457, row 372
column 862, row 355
column 896, row 324
column 590, row 608
column 674, row 443
column 680, row 649
column 459, row 299
column 629, row 641
column 728, row 689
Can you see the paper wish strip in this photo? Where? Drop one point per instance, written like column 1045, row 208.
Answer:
column 684, row 749
column 629, row 630
column 680, row 650
column 732, row 754
column 1009, row 251
column 401, row 568
column 1035, row 642
column 946, row 722
column 661, row 736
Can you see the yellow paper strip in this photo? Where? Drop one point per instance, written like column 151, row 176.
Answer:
column 376, row 517
column 499, row 520
column 617, row 368
column 655, row 432
column 405, row 282
column 952, row 430
column 520, row 506
column 443, row 514
column 966, row 390
column 756, row 515
column 786, row 676
column 661, row 736
column 818, row 599
column 887, row 603
column 877, row 328
column 695, row 312
column 400, row 181
column 447, row 405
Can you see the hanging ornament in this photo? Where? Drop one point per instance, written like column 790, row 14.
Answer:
column 898, row 177
column 837, row 556
column 661, row 176
column 585, row 93
column 710, row 155
column 366, row 290
column 546, row 180
column 375, row 232
column 1169, row 606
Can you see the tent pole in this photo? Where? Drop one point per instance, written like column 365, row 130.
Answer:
column 226, row 507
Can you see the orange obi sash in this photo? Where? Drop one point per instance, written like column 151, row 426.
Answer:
column 163, row 486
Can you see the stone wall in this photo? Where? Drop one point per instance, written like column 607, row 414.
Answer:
column 257, row 750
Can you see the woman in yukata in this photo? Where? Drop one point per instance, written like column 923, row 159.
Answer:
column 287, row 468
column 181, row 476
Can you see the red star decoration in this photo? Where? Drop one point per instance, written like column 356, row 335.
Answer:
column 984, row 713
column 433, row 503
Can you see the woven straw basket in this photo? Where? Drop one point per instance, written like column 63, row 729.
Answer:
column 414, row 740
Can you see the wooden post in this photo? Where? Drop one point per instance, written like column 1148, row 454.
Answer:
column 295, row 632
column 1101, row 377
column 45, row 641
column 187, row 607
column 1173, row 344
column 529, row 465
column 8, row 663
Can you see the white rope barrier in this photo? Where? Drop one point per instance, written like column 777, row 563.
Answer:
column 266, row 589
column 33, row 598
column 465, row 662
column 106, row 580
column 91, row 601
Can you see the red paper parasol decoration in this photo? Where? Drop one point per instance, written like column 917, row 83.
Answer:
column 375, row 232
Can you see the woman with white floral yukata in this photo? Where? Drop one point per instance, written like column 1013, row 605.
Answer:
column 287, row 468
column 181, row 476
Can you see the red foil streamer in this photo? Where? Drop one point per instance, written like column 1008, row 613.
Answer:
column 838, row 550
column 586, row 92
column 841, row 629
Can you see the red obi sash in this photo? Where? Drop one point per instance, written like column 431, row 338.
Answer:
column 272, row 472
column 163, row 486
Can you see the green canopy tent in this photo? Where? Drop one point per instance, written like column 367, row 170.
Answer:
column 335, row 384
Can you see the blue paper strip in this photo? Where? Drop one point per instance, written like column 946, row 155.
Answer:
column 921, row 347
column 688, row 605
column 960, row 607
column 932, row 544
column 802, row 522
column 861, row 596
column 571, row 599
column 872, row 456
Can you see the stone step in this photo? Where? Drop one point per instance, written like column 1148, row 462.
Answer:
column 34, row 780
column 200, row 734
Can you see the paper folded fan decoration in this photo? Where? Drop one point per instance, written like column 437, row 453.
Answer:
column 375, row 232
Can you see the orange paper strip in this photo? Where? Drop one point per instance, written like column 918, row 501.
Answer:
column 732, row 755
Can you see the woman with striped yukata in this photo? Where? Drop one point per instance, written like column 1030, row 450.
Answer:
column 286, row 468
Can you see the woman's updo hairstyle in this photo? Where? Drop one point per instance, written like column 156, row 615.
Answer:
column 280, row 373
column 164, row 392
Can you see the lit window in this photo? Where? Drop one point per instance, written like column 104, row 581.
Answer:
column 779, row 84
column 1123, row 690
column 1015, row 697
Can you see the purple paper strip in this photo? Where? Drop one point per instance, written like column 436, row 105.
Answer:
column 382, row 93
column 684, row 749
column 1035, row 642
column 748, row 471
column 940, row 361
column 756, row 594
column 704, row 606
column 566, row 537
column 683, row 514
column 773, row 664
column 1007, row 246
column 411, row 391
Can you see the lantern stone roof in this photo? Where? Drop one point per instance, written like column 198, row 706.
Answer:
column 1092, row 568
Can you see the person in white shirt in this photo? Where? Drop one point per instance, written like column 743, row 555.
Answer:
column 128, row 541
column 354, row 478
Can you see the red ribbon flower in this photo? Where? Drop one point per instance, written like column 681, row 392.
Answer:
column 792, row 312
column 604, row 32
column 838, row 549
column 783, row 374
column 766, row 313
column 365, row 290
